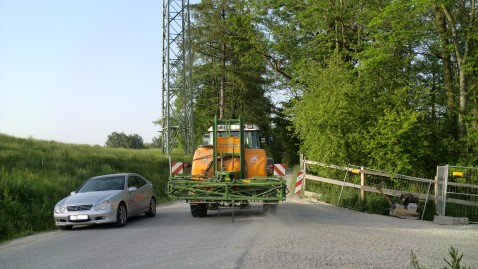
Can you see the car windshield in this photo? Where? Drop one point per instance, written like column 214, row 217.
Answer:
column 103, row 184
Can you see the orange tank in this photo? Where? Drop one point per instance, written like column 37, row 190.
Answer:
column 256, row 160
column 202, row 161
column 203, row 167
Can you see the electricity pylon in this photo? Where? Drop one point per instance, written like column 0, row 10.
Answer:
column 177, row 108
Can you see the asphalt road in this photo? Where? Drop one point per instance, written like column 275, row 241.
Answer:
column 301, row 235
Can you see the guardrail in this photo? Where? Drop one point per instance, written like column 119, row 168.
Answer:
column 355, row 182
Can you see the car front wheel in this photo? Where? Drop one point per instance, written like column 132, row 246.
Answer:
column 121, row 216
column 152, row 208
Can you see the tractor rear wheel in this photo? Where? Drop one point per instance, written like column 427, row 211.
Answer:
column 198, row 210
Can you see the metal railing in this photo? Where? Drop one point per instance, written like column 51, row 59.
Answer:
column 454, row 190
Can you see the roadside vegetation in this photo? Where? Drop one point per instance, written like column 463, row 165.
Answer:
column 35, row 175
column 389, row 85
column 372, row 203
column 453, row 263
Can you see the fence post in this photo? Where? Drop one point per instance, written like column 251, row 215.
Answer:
column 302, row 168
column 302, row 162
column 362, row 183
column 170, row 170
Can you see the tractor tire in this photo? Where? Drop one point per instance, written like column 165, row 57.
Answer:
column 198, row 210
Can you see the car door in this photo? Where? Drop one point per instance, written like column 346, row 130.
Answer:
column 134, row 198
column 143, row 193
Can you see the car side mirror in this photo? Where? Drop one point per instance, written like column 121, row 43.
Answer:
column 73, row 192
column 131, row 189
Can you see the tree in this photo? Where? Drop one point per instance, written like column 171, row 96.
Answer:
column 157, row 142
column 457, row 25
column 121, row 140
column 285, row 144
column 228, row 73
column 390, row 84
column 328, row 117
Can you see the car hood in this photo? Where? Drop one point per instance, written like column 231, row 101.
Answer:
column 93, row 197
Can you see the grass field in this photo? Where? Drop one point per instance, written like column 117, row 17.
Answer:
column 35, row 175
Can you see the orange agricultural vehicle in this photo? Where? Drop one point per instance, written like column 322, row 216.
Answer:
column 228, row 170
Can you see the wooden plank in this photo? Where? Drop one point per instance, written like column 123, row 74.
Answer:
column 383, row 174
column 390, row 192
column 326, row 165
column 371, row 172
column 332, row 181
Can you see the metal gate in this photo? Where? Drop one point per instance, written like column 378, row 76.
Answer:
column 456, row 192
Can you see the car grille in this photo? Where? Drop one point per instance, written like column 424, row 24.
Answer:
column 79, row 207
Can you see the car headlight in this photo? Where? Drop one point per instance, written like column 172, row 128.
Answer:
column 104, row 205
column 59, row 208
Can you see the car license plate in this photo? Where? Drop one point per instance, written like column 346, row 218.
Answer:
column 78, row 217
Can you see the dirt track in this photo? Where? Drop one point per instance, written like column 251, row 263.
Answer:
column 301, row 235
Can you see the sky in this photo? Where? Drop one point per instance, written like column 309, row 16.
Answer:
column 75, row 71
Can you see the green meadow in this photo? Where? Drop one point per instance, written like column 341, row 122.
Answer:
column 35, row 175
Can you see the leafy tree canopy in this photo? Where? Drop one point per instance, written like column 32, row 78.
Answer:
column 121, row 140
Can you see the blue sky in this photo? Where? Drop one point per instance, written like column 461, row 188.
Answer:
column 75, row 71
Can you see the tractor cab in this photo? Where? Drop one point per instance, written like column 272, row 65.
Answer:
column 250, row 134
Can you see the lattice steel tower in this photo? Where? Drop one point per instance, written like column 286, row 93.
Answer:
column 177, row 109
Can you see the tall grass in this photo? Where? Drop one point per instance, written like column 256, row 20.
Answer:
column 35, row 175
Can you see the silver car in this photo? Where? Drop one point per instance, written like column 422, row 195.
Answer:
column 106, row 199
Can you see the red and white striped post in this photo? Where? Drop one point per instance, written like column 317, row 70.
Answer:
column 279, row 169
column 299, row 182
column 177, row 168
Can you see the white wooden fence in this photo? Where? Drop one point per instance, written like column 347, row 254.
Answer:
column 423, row 188
column 363, row 187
